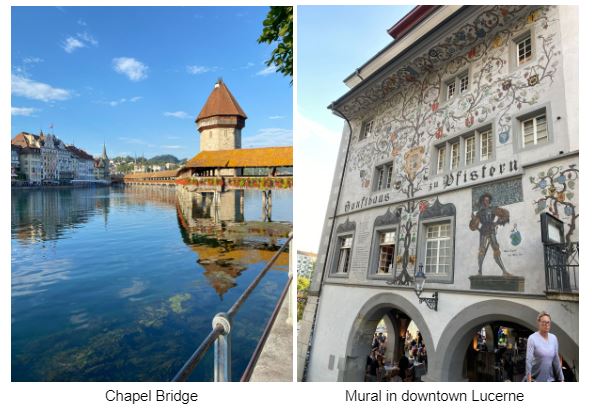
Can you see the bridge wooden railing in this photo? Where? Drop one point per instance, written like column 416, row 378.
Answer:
column 220, row 183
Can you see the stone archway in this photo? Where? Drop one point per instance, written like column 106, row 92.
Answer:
column 452, row 346
column 362, row 329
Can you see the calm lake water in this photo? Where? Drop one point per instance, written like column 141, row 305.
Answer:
column 121, row 284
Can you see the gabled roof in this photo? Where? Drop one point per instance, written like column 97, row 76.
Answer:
column 243, row 158
column 221, row 103
column 79, row 152
column 26, row 140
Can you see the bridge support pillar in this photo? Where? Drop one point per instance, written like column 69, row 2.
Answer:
column 266, row 205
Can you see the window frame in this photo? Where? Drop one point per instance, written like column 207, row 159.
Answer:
column 535, row 125
column 462, row 139
column 375, row 254
column 345, row 230
column 382, row 174
column 456, row 82
column 364, row 133
column 517, row 128
column 422, row 247
column 514, row 59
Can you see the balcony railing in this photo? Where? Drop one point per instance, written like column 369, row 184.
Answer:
column 562, row 267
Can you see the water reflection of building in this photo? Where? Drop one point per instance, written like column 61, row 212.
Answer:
column 42, row 215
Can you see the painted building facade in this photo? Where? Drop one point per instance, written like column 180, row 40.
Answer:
column 458, row 136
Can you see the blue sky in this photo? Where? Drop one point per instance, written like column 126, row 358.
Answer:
column 136, row 77
column 332, row 42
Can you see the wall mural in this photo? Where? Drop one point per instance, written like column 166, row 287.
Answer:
column 411, row 114
column 504, row 192
column 486, row 220
column 557, row 186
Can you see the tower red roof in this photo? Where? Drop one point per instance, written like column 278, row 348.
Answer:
column 221, row 103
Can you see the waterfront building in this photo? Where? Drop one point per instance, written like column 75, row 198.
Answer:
column 101, row 169
column 83, row 165
column 306, row 262
column 14, row 162
column 49, row 158
column 458, row 164
column 67, row 163
column 31, row 164
column 30, row 156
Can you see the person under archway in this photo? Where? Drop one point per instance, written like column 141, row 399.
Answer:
column 542, row 353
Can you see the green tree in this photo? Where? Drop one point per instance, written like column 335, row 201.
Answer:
column 277, row 28
column 303, row 284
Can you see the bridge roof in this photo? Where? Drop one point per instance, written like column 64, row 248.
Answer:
column 144, row 175
column 271, row 157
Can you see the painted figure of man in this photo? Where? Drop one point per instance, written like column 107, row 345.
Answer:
column 486, row 221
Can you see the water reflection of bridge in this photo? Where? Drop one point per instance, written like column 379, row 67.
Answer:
column 228, row 173
column 223, row 241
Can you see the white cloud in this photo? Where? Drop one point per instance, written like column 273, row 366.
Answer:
column 25, row 87
column 200, row 69
column 16, row 111
column 277, row 117
column 71, row 44
column 119, row 101
column 269, row 137
column 267, row 70
column 132, row 68
column 171, row 146
column 81, row 22
column 177, row 114
column 32, row 60
column 81, row 40
column 246, row 67
column 87, row 38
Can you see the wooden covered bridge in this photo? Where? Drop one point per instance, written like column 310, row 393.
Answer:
column 263, row 169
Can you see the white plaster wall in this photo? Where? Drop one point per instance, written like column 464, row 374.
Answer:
column 569, row 21
column 340, row 306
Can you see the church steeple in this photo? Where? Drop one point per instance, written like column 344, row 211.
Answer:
column 104, row 155
column 220, row 120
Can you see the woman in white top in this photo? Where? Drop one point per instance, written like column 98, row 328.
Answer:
column 542, row 353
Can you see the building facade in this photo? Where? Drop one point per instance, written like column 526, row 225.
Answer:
column 31, row 164
column 459, row 161
column 83, row 164
column 14, row 162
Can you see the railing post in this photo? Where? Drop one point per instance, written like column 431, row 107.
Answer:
column 222, row 350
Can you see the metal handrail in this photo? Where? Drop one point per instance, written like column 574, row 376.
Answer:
column 221, row 326
column 259, row 348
